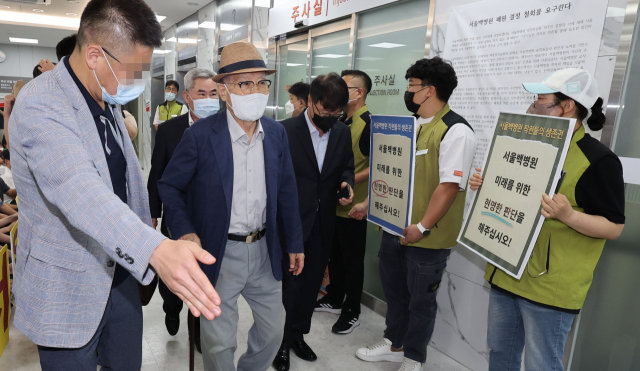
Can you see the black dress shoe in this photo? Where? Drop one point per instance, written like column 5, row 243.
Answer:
column 198, row 346
column 173, row 324
column 282, row 361
column 303, row 351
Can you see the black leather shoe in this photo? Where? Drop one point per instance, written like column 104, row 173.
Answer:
column 173, row 324
column 303, row 351
column 198, row 346
column 282, row 361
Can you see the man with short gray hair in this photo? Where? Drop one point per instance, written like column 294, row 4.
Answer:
column 85, row 229
column 201, row 95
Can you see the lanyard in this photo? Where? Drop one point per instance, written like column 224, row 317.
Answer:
column 117, row 137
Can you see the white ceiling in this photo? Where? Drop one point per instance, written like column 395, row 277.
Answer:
column 174, row 10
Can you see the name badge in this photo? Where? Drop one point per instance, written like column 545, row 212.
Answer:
column 423, row 152
column 174, row 115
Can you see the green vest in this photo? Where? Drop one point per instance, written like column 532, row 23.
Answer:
column 360, row 161
column 568, row 256
column 175, row 109
column 427, row 178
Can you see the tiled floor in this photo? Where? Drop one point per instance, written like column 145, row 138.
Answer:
column 164, row 352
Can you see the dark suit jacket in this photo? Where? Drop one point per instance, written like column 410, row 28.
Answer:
column 168, row 137
column 197, row 187
column 317, row 189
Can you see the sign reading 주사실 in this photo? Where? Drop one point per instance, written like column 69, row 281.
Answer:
column 524, row 161
column 391, row 168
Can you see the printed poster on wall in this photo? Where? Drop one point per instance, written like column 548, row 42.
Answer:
column 391, row 169
column 525, row 160
column 495, row 46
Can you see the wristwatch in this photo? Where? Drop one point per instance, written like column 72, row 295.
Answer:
column 425, row 232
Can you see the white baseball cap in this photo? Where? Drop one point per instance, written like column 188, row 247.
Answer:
column 575, row 83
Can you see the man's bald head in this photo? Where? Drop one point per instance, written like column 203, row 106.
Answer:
column 119, row 26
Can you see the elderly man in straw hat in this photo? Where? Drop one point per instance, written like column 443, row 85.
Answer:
column 230, row 180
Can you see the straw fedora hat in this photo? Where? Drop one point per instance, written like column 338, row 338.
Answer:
column 240, row 57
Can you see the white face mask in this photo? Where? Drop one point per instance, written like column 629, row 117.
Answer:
column 248, row 107
column 290, row 107
column 352, row 100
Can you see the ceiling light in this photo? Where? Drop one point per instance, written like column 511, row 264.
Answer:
column 39, row 20
column 38, row 10
column 161, row 51
column 5, row 7
column 187, row 41
column 207, row 24
column 160, row 18
column 21, row 40
column 228, row 26
column 319, row 66
column 369, row 59
column 387, row 45
column 171, row 39
column 333, row 56
column 193, row 4
column 263, row 3
column 72, row 14
column 74, row 1
column 294, row 64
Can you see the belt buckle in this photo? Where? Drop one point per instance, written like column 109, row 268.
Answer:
column 252, row 238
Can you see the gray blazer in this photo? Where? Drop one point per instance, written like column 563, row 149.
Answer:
column 72, row 226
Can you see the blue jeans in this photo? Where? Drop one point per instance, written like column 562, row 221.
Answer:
column 515, row 323
column 410, row 278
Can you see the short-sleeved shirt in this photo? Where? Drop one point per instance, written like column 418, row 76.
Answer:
column 4, row 188
column 365, row 139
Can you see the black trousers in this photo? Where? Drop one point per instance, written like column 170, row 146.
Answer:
column 173, row 306
column 410, row 279
column 299, row 293
column 346, row 267
column 118, row 337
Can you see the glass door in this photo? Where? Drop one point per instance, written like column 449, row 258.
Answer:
column 293, row 68
column 330, row 53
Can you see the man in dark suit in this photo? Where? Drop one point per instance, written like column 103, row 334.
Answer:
column 231, row 178
column 323, row 163
column 200, row 88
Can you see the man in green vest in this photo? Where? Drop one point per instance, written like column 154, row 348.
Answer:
column 411, row 266
column 171, row 108
column 346, row 267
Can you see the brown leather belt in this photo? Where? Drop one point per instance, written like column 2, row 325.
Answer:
column 247, row 239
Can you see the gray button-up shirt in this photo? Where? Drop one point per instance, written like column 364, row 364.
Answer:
column 249, row 203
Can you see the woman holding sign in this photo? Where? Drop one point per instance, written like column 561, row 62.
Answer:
column 537, row 311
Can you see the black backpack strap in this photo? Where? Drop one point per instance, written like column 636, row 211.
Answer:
column 451, row 118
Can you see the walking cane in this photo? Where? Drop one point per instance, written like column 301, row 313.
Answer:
column 191, row 341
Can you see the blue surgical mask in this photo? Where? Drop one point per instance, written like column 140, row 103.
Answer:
column 169, row 96
column 125, row 93
column 205, row 107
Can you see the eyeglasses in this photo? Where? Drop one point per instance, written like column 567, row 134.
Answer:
column 326, row 114
column 247, row 86
column 111, row 55
column 410, row 85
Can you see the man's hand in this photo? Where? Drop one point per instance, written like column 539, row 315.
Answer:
column 296, row 263
column 346, row 201
column 411, row 234
column 359, row 211
column 176, row 263
column 9, row 101
column 45, row 65
column 191, row 237
column 154, row 223
column 476, row 180
column 557, row 207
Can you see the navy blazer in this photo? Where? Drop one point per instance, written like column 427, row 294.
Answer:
column 197, row 187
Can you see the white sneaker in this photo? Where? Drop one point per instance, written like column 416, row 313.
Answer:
column 380, row 352
column 410, row 365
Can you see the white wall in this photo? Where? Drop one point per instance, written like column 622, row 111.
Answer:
column 22, row 58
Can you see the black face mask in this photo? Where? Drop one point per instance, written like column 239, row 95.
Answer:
column 324, row 123
column 412, row 106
